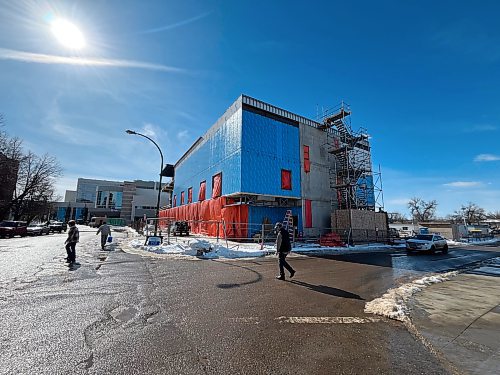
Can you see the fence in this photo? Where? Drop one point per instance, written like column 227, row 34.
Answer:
column 262, row 233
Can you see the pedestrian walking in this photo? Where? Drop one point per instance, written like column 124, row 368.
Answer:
column 73, row 238
column 283, row 247
column 105, row 231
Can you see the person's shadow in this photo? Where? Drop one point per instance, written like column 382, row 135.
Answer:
column 74, row 266
column 327, row 290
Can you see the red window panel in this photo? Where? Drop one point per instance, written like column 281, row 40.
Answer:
column 217, row 185
column 182, row 198
column 307, row 161
column 190, row 195
column 201, row 194
column 174, row 204
column 308, row 214
column 286, row 179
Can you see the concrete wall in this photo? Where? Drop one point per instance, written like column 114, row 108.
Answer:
column 359, row 219
column 366, row 225
column 315, row 185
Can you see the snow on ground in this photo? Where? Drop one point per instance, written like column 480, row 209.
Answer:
column 210, row 248
column 393, row 303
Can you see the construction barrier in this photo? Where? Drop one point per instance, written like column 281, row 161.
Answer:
column 210, row 217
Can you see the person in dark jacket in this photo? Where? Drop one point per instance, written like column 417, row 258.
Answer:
column 283, row 247
column 73, row 238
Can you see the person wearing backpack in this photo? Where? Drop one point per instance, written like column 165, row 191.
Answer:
column 283, row 248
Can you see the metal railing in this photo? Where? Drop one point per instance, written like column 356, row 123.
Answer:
column 263, row 234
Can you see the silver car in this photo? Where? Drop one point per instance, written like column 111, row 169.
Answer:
column 37, row 229
column 427, row 242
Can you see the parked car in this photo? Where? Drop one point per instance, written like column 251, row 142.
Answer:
column 179, row 227
column 427, row 242
column 96, row 222
column 58, row 226
column 37, row 229
column 13, row 228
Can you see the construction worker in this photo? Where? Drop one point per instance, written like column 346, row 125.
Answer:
column 283, row 247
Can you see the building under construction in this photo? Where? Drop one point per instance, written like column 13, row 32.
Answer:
column 258, row 162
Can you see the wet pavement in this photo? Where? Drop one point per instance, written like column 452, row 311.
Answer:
column 120, row 313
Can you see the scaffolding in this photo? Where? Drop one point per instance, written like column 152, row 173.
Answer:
column 351, row 176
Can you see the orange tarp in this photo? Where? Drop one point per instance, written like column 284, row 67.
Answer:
column 207, row 218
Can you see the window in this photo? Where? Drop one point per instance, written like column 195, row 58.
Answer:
column 286, row 179
column 217, row 185
column 190, row 195
column 182, row 198
column 174, row 204
column 201, row 194
column 307, row 162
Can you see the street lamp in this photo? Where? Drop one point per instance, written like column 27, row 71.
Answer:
column 161, row 169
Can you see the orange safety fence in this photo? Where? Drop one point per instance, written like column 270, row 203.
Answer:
column 209, row 217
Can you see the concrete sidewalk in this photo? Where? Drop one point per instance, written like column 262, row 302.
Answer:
column 461, row 319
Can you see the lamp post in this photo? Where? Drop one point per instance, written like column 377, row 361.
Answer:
column 161, row 169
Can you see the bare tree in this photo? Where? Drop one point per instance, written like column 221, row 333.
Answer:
column 422, row 210
column 471, row 213
column 35, row 185
column 396, row 217
column 32, row 176
column 494, row 215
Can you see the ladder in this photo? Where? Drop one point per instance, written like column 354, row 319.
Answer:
column 288, row 223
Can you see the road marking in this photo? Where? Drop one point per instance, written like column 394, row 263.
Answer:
column 251, row 320
column 326, row 320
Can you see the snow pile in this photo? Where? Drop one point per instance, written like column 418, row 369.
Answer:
column 210, row 248
column 456, row 243
column 220, row 251
column 393, row 303
column 203, row 249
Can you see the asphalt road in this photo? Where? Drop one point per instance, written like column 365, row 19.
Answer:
column 119, row 313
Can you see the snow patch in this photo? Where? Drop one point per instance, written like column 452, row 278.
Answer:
column 393, row 304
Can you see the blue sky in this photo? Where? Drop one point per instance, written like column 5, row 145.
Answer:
column 422, row 77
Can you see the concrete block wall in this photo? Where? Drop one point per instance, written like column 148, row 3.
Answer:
column 316, row 184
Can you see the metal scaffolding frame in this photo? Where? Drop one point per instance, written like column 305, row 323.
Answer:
column 350, row 172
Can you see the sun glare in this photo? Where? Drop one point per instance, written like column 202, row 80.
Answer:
column 68, row 34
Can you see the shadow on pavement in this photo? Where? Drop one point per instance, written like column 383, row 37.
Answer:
column 74, row 266
column 236, row 285
column 327, row 290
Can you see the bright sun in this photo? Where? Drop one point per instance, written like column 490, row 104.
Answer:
column 68, row 34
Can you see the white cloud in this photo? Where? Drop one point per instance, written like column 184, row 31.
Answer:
column 487, row 157
column 183, row 135
column 150, row 130
column 464, row 184
column 8, row 54
column 74, row 135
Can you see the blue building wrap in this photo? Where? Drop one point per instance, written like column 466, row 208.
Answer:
column 268, row 146
column 366, row 189
column 257, row 215
column 219, row 152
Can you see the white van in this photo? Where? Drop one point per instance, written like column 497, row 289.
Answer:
column 96, row 222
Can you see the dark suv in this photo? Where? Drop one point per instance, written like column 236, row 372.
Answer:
column 58, row 226
column 179, row 227
column 13, row 228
